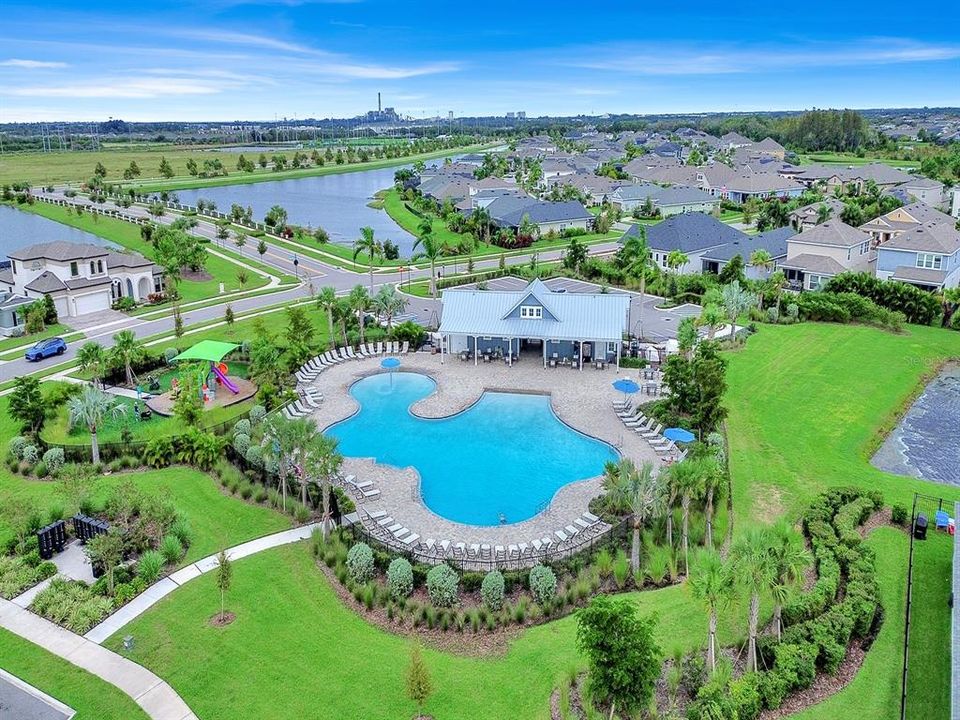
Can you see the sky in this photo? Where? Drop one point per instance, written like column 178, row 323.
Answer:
column 228, row 60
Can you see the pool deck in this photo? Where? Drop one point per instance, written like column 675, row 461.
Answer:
column 582, row 399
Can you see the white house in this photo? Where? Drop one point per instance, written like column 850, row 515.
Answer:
column 80, row 277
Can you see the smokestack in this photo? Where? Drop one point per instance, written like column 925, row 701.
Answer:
column 379, row 106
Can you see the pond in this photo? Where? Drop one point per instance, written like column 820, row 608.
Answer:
column 926, row 443
column 337, row 203
column 19, row 229
column 500, row 461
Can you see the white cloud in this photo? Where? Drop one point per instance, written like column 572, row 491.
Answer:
column 122, row 88
column 32, row 64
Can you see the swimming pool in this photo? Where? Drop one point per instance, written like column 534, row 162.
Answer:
column 507, row 454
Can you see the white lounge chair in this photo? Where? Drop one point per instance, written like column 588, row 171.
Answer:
column 572, row 530
column 370, row 494
column 406, row 347
column 350, row 353
column 591, row 517
column 652, row 434
column 561, row 535
column 537, row 545
column 376, row 514
column 385, row 521
column 666, row 449
column 410, row 539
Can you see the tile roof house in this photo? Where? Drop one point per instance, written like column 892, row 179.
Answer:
column 924, row 189
column 917, row 244
column 667, row 200
column 733, row 140
column 80, row 277
column 823, row 251
column 748, row 184
column 547, row 216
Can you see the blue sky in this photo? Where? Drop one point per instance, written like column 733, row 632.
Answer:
column 260, row 59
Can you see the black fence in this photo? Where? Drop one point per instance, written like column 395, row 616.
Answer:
column 52, row 539
column 86, row 528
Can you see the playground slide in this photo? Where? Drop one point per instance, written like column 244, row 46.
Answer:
column 227, row 382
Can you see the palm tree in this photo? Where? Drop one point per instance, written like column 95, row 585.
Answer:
column 327, row 300
column 638, row 252
column 432, row 250
column 369, row 245
column 639, row 490
column 127, row 350
column 712, row 583
column 388, row 302
column 676, row 260
column 480, row 219
column 93, row 357
column 91, row 407
column 823, row 213
column 754, row 570
column 359, row 300
column 341, row 315
column 287, row 441
column 778, row 281
column 736, row 301
column 323, row 463
column 712, row 317
column 789, row 558
column 712, row 479
column 763, row 260
column 686, row 480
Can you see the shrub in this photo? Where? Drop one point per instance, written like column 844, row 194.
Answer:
column 491, row 590
column 797, row 662
column 169, row 354
column 41, row 470
column 53, row 459
column 159, row 452
column 16, row 446
column 72, row 605
column 773, row 688
column 604, row 563
column 254, row 457
column 150, row 566
column 242, row 427
column 543, row 584
column 301, row 513
column 257, row 413
column 745, row 696
column 180, row 529
column 171, row 549
column 693, row 673
column 360, row 562
column 17, row 574
column 241, row 443
column 31, row 454
column 122, row 594
column 621, row 569
column 400, row 578
column 899, row 515
column 442, row 584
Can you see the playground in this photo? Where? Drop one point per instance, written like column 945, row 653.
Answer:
column 217, row 384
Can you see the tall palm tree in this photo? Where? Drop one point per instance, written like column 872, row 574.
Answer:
column 639, row 490
column 323, row 463
column 686, row 480
column 388, row 302
column 91, row 407
column 763, row 260
column 712, row 583
column 359, row 300
column 712, row 316
column 754, row 570
column 368, row 244
column 712, row 481
column 341, row 316
column 287, row 442
column 676, row 260
column 789, row 558
column 736, row 301
column 481, row 221
column 93, row 357
column 127, row 350
column 432, row 250
column 327, row 300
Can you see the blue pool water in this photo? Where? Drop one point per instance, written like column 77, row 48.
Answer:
column 508, row 453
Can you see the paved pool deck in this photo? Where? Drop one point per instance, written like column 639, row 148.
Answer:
column 581, row 398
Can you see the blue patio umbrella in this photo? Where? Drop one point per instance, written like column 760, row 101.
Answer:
column 679, row 435
column 391, row 364
column 626, row 386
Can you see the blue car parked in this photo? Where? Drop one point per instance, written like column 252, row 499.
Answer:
column 46, row 348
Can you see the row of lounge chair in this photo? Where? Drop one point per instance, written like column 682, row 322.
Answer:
column 361, row 489
column 308, row 400
column 385, row 528
column 309, row 371
column 648, row 428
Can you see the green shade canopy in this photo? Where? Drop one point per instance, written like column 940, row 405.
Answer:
column 211, row 350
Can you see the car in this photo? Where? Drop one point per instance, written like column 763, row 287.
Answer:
column 45, row 349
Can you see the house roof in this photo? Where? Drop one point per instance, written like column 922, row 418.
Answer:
column 810, row 263
column 577, row 316
column 924, row 276
column 45, row 282
column 769, row 145
column 664, row 196
column 813, row 209
column 60, row 251
column 928, row 237
column 689, row 232
column 82, row 283
column 6, row 276
column 732, row 138
column 773, row 241
column 920, row 212
column 127, row 260
column 832, row 232
column 758, row 182
column 922, row 183
column 544, row 212
column 878, row 172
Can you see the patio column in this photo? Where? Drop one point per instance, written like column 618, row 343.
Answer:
column 619, row 348
column 510, row 351
column 544, row 344
column 580, row 359
column 441, row 349
column 475, row 347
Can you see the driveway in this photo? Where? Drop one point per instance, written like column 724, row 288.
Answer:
column 96, row 319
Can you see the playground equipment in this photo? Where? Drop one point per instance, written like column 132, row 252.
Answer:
column 220, row 371
column 212, row 352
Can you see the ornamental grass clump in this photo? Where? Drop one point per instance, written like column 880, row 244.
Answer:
column 360, row 562
column 492, row 589
column 442, row 582
column 400, row 578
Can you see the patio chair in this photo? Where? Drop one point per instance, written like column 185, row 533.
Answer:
column 370, row 494
column 474, row 551
column 460, row 551
column 365, row 485
column 628, row 411
column 582, row 524
column 666, row 449
column 572, row 530
column 376, row 514
column 498, row 553
column 652, row 434
column 386, row 521
column 350, row 353
column 537, row 545
column 485, row 551
column 371, row 349
column 547, row 543
column 636, row 422
column 512, row 550
column 428, row 544
column 444, row 546
column 409, row 540
column 406, row 347
column 402, row 532
column 561, row 536
column 522, row 549
column 393, row 528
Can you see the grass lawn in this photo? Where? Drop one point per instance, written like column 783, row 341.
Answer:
column 833, row 158
column 91, row 697
column 327, row 662
column 8, row 343
column 396, row 208
column 127, row 235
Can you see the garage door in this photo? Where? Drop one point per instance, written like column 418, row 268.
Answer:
column 94, row 302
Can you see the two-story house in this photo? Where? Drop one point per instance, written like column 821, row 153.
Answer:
column 927, row 255
column 823, row 251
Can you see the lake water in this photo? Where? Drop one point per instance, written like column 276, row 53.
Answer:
column 19, row 229
column 926, row 443
column 337, row 203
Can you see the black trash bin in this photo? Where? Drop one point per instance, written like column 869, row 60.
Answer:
column 920, row 527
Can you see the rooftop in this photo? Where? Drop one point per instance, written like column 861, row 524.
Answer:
column 60, row 251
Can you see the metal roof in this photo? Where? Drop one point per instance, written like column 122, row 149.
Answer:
column 579, row 316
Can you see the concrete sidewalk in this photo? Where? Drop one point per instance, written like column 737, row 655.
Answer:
column 151, row 693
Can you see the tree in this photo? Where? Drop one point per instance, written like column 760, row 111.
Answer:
column 239, row 239
column 369, row 245
column 686, row 480
column 576, row 254
column 323, row 462
column 177, row 322
column 623, row 657
column 133, row 171
column 228, row 315
column 342, row 314
column 262, row 248
column 789, row 559
column 712, row 583
column 224, row 578
column 26, row 403
column 192, row 167
column 636, row 259
column 432, row 250
column 388, row 303
column 327, row 300
column 638, row 490
column 276, row 218
column 126, row 351
column 676, row 260
column 732, row 271
column 106, row 550
column 708, row 377
column 287, row 441
column 419, row 685
column 754, row 570
column 763, row 260
column 242, row 277
column 736, row 301
column 165, row 169
column 712, row 317
column 93, row 358
column 299, row 335
column 100, row 171
column 949, row 302
column 49, row 310
column 359, row 300
column 91, row 408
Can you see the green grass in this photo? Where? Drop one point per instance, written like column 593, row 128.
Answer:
column 91, row 697
column 127, row 235
column 395, row 206
column 327, row 662
column 833, row 158
column 8, row 343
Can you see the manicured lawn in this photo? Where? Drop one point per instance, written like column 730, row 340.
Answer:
column 8, row 343
column 832, row 158
column 91, row 697
column 397, row 209
column 128, row 235
column 324, row 661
